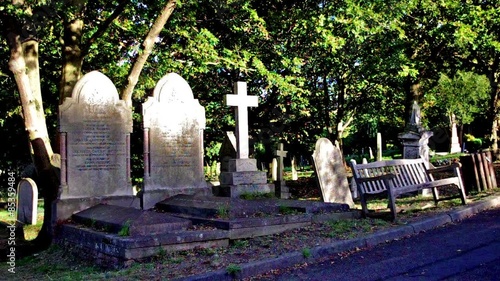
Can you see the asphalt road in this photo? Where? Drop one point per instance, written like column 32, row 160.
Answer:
column 469, row 250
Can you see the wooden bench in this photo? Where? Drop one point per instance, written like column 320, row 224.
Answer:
column 402, row 176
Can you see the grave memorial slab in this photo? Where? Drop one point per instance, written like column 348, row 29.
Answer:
column 331, row 173
column 242, row 175
column 95, row 127
column 27, row 201
column 173, row 122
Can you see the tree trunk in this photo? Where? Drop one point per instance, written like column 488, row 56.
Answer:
column 30, row 53
column 72, row 58
column 143, row 55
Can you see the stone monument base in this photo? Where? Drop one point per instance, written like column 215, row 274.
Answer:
column 65, row 208
column 149, row 198
column 243, row 177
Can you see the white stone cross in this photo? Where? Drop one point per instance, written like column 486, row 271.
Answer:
column 280, row 153
column 242, row 102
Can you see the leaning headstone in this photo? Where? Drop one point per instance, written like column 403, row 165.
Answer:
column 95, row 127
column 173, row 122
column 331, row 173
column 27, row 201
column 227, row 151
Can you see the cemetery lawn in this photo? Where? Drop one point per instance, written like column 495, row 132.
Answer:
column 56, row 264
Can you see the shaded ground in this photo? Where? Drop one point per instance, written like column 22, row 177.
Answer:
column 55, row 263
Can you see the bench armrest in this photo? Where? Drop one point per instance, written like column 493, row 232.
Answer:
column 444, row 168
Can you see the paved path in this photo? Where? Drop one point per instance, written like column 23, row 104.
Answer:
column 452, row 255
column 467, row 250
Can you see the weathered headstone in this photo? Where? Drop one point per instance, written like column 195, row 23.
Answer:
column 95, row 127
column 173, row 122
column 281, row 190
column 331, row 173
column 27, row 201
column 242, row 175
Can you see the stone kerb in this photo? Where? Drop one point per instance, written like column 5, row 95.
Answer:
column 173, row 123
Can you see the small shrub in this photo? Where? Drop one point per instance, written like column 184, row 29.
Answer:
column 306, row 252
column 125, row 230
column 233, row 269
column 223, row 212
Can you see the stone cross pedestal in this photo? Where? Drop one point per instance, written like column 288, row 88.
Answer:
column 415, row 139
column 280, row 188
column 242, row 175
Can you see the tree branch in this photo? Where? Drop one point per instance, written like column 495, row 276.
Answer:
column 104, row 26
column 148, row 45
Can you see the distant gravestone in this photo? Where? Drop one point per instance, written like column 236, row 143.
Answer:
column 455, row 145
column 27, row 199
column 95, row 127
column 331, row 173
column 280, row 189
column 295, row 175
column 173, row 122
column 274, row 169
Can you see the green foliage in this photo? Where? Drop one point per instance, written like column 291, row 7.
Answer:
column 306, row 253
column 240, row 243
column 472, row 143
column 125, row 230
column 464, row 95
column 223, row 212
column 233, row 269
column 256, row 195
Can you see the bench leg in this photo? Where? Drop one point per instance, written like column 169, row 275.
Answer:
column 460, row 185
column 392, row 199
column 435, row 194
column 364, row 207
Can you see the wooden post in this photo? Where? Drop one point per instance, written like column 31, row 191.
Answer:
column 480, row 166
column 493, row 176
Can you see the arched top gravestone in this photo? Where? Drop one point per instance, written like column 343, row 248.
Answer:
column 95, row 88
column 172, row 88
column 95, row 126
column 331, row 173
column 173, row 122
